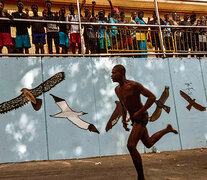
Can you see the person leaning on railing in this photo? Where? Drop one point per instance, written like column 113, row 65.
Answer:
column 133, row 33
column 5, row 30
column 63, row 32
column 102, row 35
column 142, row 44
column 114, row 32
column 168, row 43
column 155, row 32
column 125, row 38
column 175, row 35
column 38, row 31
column 52, row 29
column 185, row 42
column 194, row 35
column 22, row 40
column 74, row 29
column 89, row 30
column 201, row 41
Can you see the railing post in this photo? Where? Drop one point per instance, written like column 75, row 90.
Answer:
column 82, row 48
column 158, row 20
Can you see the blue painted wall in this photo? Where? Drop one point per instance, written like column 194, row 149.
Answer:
column 27, row 135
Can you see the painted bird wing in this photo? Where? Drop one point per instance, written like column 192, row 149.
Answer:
column 115, row 116
column 48, row 84
column 13, row 104
column 164, row 95
column 156, row 114
column 199, row 107
column 185, row 96
column 62, row 104
column 76, row 120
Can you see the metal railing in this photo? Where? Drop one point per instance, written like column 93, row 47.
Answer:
column 138, row 40
column 178, row 41
column 191, row 41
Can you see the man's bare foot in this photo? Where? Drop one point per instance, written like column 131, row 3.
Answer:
column 171, row 129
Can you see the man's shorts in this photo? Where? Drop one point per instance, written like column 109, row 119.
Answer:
column 143, row 121
column 75, row 38
column 22, row 41
column 38, row 38
column 63, row 39
column 5, row 39
column 102, row 43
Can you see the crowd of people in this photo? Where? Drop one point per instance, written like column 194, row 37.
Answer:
column 96, row 39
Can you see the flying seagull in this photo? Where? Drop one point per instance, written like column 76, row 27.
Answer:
column 73, row 116
column 192, row 102
column 115, row 116
column 31, row 94
column 160, row 105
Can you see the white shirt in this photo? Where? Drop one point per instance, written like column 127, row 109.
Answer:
column 73, row 18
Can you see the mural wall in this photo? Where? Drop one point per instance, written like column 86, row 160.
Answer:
column 52, row 132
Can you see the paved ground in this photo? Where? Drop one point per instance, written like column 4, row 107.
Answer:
column 176, row 165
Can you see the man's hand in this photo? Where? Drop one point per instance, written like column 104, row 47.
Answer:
column 84, row 1
column 125, row 125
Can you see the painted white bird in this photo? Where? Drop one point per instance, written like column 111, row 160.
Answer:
column 73, row 116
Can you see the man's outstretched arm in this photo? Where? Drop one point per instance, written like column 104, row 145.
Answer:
column 110, row 3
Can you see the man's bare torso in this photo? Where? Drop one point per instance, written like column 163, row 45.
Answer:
column 129, row 95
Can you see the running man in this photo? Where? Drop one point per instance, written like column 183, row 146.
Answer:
column 129, row 93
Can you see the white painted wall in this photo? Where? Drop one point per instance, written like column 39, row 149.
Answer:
column 27, row 135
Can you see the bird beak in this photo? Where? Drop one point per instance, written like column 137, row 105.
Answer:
column 84, row 113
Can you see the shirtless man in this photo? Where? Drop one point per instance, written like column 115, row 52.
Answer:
column 129, row 93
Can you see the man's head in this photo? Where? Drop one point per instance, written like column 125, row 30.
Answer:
column 202, row 19
column 140, row 14
column 114, row 14
column 122, row 15
column 193, row 17
column 103, row 11
column 62, row 11
column 178, row 19
column 20, row 5
column 117, row 11
column 186, row 17
column 34, row 8
column 101, row 14
column 154, row 16
column 86, row 11
column 167, row 16
column 134, row 15
column 174, row 15
column 1, row 6
column 118, row 73
column 71, row 8
column 48, row 5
